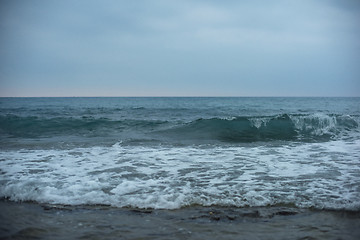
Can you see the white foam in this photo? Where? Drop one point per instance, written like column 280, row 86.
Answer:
column 307, row 175
column 259, row 122
column 320, row 124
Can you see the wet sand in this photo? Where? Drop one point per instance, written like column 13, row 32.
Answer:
column 36, row 221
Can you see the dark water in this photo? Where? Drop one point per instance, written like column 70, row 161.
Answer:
column 178, row 120
column 183, row 157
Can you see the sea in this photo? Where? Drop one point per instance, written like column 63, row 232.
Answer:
column 180, row 168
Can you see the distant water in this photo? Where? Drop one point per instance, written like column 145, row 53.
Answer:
column 169, row 153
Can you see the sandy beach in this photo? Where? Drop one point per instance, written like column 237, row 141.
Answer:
column 36, row 221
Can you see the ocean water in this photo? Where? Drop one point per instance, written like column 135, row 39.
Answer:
column 176, row 153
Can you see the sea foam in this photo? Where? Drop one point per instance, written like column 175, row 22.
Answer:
column 319, row 175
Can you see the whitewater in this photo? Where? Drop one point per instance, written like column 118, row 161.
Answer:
column 171, row 153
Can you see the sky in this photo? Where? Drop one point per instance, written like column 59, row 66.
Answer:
column 179, row 48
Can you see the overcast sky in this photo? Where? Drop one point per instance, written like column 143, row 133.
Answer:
column 179, row 48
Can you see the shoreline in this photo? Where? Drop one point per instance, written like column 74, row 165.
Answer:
column 45, row 221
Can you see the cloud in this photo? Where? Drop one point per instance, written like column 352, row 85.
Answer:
column 160, row 47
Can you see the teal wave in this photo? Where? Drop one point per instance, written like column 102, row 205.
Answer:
column 281, row 127
column 237, row 129
column 17, row 126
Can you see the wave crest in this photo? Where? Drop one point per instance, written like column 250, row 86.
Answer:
column 287, row 127
column 282, row 127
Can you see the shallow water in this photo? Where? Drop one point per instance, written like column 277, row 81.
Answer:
column 320, row 175
column 33, row 221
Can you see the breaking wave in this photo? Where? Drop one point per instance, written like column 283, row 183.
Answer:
column 316, row 127
column 282, row 127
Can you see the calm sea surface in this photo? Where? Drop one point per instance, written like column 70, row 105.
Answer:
column 167, row 158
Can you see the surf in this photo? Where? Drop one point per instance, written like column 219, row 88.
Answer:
column 282, row 127
column 285, row 127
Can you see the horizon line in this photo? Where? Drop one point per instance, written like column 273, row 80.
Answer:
column 209, row 96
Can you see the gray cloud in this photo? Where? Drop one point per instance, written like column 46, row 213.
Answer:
column 179, row 48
